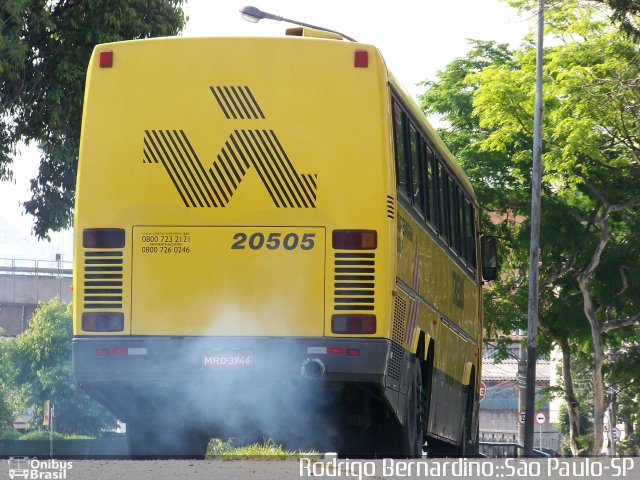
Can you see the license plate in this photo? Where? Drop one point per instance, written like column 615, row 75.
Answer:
column 227, row 360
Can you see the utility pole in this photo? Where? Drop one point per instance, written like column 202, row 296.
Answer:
column 522, row 384
column 534, row 249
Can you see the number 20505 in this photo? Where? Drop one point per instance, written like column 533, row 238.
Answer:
column 273, row 241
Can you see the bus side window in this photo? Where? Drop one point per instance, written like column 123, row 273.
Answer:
column 428, row 186
column 453, row 215
column 416, row 173
column 435, row 207
column 471, row 235
column 399, row 132
column 464, row 229
column 443, row 203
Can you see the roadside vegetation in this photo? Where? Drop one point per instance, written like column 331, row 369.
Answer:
column 267, row 450
column 36, row 366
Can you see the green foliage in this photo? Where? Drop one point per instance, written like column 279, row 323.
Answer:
column 591, row 162
column 44, row 53
column 39, row 369
column 624, row 376
column 563, row 427
column 9, row 434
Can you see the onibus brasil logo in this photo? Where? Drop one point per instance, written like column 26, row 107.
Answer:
column 244, row 150
column 35, row 469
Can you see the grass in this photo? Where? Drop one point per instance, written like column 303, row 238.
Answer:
column 44, row 435
column 267, row 450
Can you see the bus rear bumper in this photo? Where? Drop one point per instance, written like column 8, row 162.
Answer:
column 158, row 361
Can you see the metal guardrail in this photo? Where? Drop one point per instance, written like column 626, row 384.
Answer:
column 507, row 449
column 36, row 268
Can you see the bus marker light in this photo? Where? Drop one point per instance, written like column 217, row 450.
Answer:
column 361, row 59
column 355, row 239
column 106, row 59
column 102, row 352
column 353, row 352
column 119, row 351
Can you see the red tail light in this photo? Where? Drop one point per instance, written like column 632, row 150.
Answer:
column 355, row 239
column 106, row 59
column 103, row 238
column 361, row 59
column 353, row 324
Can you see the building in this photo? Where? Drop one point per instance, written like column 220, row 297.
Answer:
column 501, row 408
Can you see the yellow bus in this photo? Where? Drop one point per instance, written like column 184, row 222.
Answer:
column 271, row 240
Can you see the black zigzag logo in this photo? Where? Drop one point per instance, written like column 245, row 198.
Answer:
column 244, row 149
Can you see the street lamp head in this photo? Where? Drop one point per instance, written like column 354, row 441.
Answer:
column 254, row 15
column 251, row 14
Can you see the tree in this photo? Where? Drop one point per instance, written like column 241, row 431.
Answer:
column 623, row 13
column 590, row 188
column 39, row 365
column 44, row 52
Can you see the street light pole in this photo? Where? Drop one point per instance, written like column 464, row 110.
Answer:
column 534, row 249
column 254, row 15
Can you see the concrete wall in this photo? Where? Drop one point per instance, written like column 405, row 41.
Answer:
column 32, row 289
column 20, row 294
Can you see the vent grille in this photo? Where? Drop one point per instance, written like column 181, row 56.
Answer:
column 397, row 335
column 354, row 287
column 391, row 207
column 103, row 280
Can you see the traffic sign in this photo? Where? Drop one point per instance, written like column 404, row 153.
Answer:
column 615, row 434
column 540, row 418
column 483, row 390
column 521, row 416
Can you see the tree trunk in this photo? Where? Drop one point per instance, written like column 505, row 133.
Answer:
column 573, row 406
column 596, row 372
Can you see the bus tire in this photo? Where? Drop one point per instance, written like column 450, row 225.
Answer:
column 413, row 428
column 469, row 446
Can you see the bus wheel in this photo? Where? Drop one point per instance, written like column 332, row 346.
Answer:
column 413, row 429
column 469, row 446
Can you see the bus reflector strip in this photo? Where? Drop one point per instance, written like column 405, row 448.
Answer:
column 112, row 352
column 353, row 324
column 349, row 352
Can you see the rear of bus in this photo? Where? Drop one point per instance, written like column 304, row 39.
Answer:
column 234, row 223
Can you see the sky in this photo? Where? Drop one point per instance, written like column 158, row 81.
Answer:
column 417, row 38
